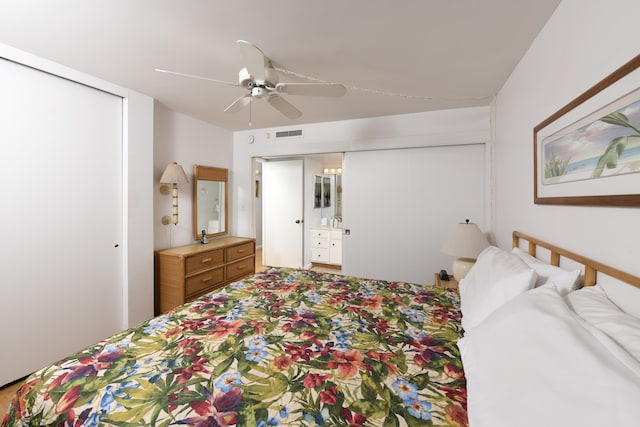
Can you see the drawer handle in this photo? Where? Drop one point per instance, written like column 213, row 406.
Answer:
column 206, row 279
column 206, row 260
column 241, row 267
column 241, row 250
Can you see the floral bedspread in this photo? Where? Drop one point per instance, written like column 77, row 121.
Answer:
column 283, row 347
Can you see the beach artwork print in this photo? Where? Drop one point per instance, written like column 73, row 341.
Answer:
column 605, row 147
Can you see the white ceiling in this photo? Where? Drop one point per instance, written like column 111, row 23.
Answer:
column 437, row 54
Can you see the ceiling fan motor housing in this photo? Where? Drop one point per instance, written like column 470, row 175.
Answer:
column 248, row 82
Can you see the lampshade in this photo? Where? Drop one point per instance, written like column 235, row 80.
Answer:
column 466, row 241
column 173, row 174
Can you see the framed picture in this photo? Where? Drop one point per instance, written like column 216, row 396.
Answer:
column 588, row 152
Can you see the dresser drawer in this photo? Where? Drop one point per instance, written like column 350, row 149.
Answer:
column 203, row 261
column 202, row 281
column 319, row 255
column 335, row 235
column 321, row 234
column 240, row 251
column 319, row 243
column 240, row 268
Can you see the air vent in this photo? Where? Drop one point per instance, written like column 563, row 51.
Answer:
column 289, row 133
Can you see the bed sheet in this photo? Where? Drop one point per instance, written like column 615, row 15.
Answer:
column 283, row 347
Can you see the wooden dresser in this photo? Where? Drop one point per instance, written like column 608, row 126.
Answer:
column 186, row 272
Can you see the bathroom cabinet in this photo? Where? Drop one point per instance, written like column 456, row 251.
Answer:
column 326, row 245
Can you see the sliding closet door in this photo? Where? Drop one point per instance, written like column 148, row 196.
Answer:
column 61, row 273
column 400, row 206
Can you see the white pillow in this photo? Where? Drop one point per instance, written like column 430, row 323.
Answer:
column 591, row 303
column 624, row 296
column 535, row 362
column 565, row 281
column 496, row 277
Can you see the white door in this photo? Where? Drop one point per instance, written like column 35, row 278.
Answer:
column 61, row 279
column 400, row 206
column 282, row 213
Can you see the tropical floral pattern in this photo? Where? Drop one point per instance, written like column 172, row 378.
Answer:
column 281, row 348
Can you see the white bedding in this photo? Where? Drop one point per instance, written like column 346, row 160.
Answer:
column 534, row 362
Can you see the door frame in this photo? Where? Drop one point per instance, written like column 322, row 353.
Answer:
column 311, row 216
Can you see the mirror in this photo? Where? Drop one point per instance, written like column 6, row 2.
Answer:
column 326, row 192
column 328, row 195
column 317, row 192
column 210, row 196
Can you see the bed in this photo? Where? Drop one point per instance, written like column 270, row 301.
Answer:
column 518, row 345
column 283, row 347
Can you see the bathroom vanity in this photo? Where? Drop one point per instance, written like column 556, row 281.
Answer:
column 326, row 245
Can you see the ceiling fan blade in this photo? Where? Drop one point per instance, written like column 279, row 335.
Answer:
column 312, row 89
column 282, row 105
column 238, row 104
column 196, row 77
column 254, row 60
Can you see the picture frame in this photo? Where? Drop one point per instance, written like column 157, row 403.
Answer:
column 588, row 152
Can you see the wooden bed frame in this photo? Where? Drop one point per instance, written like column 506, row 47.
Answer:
column 591, row 268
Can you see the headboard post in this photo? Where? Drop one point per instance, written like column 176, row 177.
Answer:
column 515, row 241
column 590, row 274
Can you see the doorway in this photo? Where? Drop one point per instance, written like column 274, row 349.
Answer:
column 313, row 165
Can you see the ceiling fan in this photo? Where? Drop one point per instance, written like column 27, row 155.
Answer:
column 260, row 78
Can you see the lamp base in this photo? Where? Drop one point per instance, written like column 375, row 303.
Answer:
column 461, row 267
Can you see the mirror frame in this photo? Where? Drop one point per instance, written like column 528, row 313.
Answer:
column 210, row 173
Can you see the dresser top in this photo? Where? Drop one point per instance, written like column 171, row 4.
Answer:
column 195, row 248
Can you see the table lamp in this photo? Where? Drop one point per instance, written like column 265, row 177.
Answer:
column 466, row 241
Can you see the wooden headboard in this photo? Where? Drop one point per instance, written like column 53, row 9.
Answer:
column 591, row 267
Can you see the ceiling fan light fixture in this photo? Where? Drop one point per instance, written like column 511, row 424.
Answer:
column 259, row 92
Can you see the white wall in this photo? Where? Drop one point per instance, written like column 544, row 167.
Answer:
column 138, row 199
column 583, row 42
column 449, row 127
column 187, row 141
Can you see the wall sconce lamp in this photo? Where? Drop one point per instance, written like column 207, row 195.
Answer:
column 466, row 241
column 173, row 174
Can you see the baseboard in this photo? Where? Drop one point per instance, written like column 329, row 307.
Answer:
column 329, row 266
